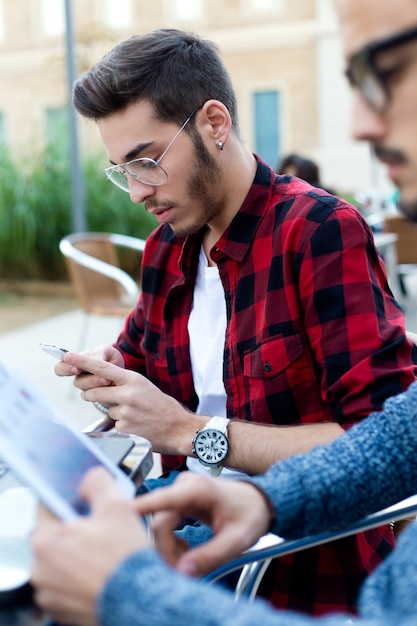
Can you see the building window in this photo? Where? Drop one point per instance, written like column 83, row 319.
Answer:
column 52, row 17
column 266, row 108
column 117, row 14
column 187, row 10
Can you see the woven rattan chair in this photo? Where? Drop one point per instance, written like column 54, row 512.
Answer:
column 101, row 286
column 406, row 246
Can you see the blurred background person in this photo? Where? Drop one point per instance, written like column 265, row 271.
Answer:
column 302, row 167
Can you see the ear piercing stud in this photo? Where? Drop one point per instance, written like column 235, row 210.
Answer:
column 220, row 144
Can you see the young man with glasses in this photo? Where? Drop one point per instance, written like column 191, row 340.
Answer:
column 264, row 300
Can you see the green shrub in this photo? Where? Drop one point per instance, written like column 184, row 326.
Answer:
column 36, row 212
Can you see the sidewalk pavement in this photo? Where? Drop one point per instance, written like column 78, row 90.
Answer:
column 20, row 348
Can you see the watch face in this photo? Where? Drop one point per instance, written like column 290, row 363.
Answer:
column 211, row 446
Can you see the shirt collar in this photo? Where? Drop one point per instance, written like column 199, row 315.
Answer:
column 238, row 236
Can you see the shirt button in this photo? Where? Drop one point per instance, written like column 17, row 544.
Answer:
column 267, row 367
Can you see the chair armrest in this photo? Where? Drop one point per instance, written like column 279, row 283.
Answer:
column 101, row 267
column 256, row 560
column 126, row 241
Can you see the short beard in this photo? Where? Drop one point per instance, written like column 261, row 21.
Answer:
column 391, row 155
column 409, row 209
column 204, row 183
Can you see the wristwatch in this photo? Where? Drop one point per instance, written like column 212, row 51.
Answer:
column 211, row 444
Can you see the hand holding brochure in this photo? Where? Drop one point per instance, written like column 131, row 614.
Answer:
column 44, row 450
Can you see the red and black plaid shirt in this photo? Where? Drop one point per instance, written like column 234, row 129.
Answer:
column 313, row 334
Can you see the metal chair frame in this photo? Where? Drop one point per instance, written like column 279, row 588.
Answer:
column 120, row 292
column 255, row 561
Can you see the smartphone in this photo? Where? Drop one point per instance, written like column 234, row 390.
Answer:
column 53, row 350
column 56, row 351
column 45, row 451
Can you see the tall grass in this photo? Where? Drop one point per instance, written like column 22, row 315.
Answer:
column 35, row 212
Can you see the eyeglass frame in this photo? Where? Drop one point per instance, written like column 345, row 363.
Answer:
column 122, row 169
column 366, row 56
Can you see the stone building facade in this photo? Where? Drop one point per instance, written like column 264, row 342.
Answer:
column 283, row 55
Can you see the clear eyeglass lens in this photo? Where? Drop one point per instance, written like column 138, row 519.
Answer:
column 364, row 78
column 146, row 171
column 373, row 92
column 119, row 180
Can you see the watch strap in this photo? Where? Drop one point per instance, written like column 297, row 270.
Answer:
column 218, row 423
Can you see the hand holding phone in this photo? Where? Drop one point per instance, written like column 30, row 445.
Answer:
column 59, row 353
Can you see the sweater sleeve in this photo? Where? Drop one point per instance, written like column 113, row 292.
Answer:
column 145, row 591
column 370, row 467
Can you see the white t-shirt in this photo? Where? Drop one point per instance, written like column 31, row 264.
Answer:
column 206, row 329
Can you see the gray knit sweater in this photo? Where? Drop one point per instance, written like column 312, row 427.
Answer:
column 370, row 467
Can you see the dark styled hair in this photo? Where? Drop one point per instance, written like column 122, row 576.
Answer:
column 176, row 71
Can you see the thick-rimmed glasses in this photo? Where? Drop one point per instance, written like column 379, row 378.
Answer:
column 144, row 170
column 364, row 73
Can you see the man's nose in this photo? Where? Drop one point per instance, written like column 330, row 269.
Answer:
column 366, row 124
column 138, row 191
